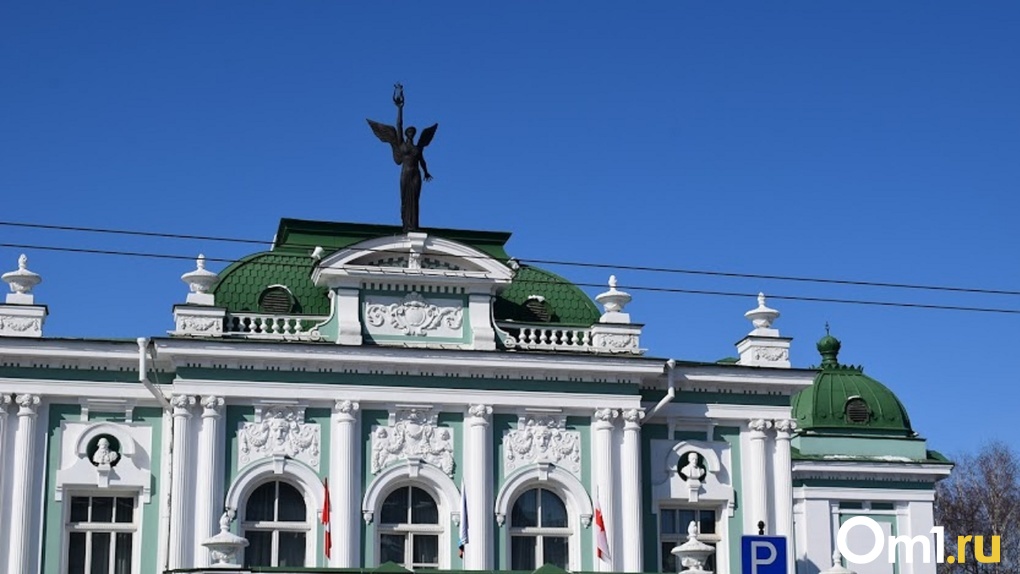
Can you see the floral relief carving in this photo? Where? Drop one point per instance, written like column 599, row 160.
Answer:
column 542, row 439
column 771, row 354
column 413, row 434
column 19, row 324
column 279, row 430
column 414, row 315
column 199, row 324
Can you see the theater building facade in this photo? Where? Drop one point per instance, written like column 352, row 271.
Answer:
column 443, row 391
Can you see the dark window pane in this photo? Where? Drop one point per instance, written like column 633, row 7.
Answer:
column 525, row 511
column 522, row 553
column 667, row 521
column 260, row 503
column 391, row 548
column 76, row 553
column 292, row 504
column 706, row 524
column 554, row 549
column 122, row 560
column 685, row 518
column 125, row 509
column 101, row 550
column 423, row 508
column 668, row 559
column 292, row 549
column 394, row 508
column 79, row 509
column 102, row 509
column 260, row 548
column 554, row 513
column 426, row 549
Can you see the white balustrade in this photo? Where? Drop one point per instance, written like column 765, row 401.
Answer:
column 259, row 326
column 537, row 338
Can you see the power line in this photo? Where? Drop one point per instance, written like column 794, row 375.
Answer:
column 654, row 289
column 611, row 266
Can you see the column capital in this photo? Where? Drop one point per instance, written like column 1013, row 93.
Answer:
column 182, row 405
column 28, row 404
column 603, row 418
column 632, row 418
column 346, row 409
column 785, row 428
column 212, row 406
column 5, row 400
column 758, row 428
column 479, row 414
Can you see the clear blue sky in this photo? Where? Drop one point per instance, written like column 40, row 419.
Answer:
column 855, row 140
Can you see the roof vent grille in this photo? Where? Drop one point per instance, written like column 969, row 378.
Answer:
column 276, row 300
column 857, row 411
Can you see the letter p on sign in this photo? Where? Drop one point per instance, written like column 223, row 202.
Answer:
column 763, row 554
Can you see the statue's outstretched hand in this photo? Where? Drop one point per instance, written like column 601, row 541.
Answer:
column 428, row 177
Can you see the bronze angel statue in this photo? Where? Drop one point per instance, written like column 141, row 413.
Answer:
column 408, row 156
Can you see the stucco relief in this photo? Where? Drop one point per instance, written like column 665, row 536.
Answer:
column 539, row 438
column 279, row 430
column 415, row 315
column 412, row 433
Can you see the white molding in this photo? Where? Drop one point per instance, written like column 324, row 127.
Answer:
column 565, row 485
column 830, row 494
column 412, row 471
column 717, row 412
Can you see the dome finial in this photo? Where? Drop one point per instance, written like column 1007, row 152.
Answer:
column 828, row 347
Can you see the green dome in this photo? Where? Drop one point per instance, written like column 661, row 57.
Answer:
column 843, row 400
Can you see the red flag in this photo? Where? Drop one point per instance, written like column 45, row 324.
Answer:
column 327, row 536
column 602, row 541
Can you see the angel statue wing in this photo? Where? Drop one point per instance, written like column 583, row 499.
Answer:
column 426, row 135
column 387, row 134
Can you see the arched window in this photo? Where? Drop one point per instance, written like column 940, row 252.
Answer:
column 539, row 531
column 276, row 525
column 409, row 529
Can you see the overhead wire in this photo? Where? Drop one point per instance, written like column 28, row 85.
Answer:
column 580, row 264
column 645, row 288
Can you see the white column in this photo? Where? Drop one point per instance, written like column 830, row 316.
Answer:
column 5, row 400
column 602, row 425
column 182, row 498
column 345, row 486
column 209, row 482
column 783, row 476
column 759, row 478
column 478, row 482
column 630, row 490
column 22, row 500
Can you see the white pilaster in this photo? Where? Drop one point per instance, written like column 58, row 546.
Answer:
column 208, row 484
column 5, row 401
column 630, row 490
column 478, row 482
column 602, row 453
column 345, row 486
column 182, row 498
column 759, row 478
column 22, row 499
column 782, row 474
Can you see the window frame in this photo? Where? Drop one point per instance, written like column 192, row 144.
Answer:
column 410, row 529
column 134, row 527
column 680, row 537
column 539, row 533
column 308, row 526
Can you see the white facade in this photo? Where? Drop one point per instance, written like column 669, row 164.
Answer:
column 409, row 389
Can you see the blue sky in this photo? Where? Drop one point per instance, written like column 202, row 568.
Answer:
column 852, row 140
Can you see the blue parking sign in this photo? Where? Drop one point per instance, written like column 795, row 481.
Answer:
column 763, row 554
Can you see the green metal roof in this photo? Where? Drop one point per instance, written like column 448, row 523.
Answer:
column 822, row 407
column 288, row 264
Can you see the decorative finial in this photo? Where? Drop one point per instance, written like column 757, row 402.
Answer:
column 762, row 317
column 692, row 530
column 21, row 282
column 199, row 281
column 614, row 302
column 826, row 327
column 836, row 558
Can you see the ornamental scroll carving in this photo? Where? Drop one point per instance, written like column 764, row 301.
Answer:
column 771, row 354
column 415, row 316
column 413, row 434
column 542, row 439
column 20, row 324
column 279, row 431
